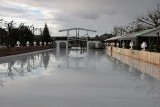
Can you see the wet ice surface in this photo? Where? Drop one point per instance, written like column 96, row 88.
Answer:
column 44, row 79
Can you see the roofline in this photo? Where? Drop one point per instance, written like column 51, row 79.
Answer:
column 131, row 35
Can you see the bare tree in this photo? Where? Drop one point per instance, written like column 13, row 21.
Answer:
column 8, row 36
column 152, row 18
column 115, row 31
column 119, row 31
column 129, row 29
column 137, row 26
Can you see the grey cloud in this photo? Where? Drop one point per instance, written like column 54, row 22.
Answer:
column 90, row 9
column 100, row 15
column 12, row 9
column 94, row 14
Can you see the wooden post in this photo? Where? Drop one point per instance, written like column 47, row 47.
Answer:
column 157, row 41
column 149, row 43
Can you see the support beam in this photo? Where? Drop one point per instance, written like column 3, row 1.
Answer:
column 87, row 30
column 67, row 29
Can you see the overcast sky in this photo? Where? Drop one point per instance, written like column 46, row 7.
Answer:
column 99, row 15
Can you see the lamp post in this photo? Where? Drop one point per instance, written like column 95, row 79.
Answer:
column 1, row 31
column 157, row 41
column 123, row 44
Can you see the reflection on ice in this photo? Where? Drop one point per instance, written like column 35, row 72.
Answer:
column 34, row 64
column 146, row 68
column 78, row 60
column 77, row 54
column 78, row 78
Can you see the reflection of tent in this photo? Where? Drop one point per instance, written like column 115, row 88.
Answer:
column 135, row 66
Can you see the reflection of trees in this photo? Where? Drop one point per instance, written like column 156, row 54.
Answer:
column 29, row 66
column 1, row 83
column 22, row 65
column 46, row 57
column 33, row 60
column 10, row 64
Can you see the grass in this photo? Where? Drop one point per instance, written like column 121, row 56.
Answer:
column 19, row 50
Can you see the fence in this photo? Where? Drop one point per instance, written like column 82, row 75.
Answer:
column 150, row 57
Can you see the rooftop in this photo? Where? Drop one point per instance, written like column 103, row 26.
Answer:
column 144, row 33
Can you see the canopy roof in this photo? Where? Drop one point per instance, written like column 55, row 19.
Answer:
column 144, row 33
